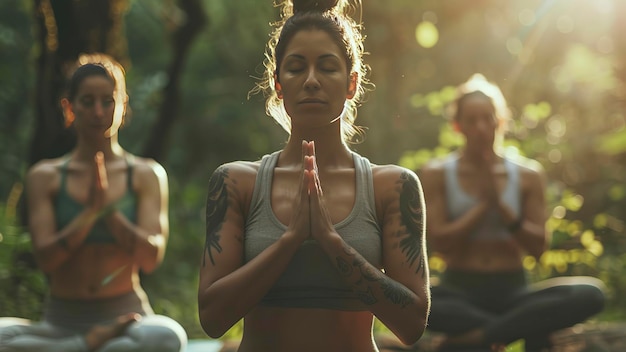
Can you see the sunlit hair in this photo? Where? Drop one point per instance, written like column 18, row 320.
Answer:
column 104, row 65
column 477, row 85
column 331, row 16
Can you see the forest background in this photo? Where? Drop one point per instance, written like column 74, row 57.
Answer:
column 191, row 63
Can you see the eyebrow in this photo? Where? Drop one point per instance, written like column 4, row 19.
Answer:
column 321, row 57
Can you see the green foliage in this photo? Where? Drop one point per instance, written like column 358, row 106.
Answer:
column 22, row 285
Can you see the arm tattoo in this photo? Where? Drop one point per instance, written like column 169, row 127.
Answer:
column 392, row 290
column 344, row 268
column 412, row 212
column 216, row 205
column 367, row 296
column 396, row 293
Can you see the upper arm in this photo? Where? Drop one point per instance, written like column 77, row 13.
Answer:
column 41, row 220
column 152, row 207
column 228, row 190
column 534, row 205
column 404, row 244
column 434, row 198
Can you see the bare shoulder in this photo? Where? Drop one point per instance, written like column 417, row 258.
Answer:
column 529, row 168
column 391, row 180
column 238, row 176
column 45, row 172
column 390, row 173
column 147, row 169
column 242, row 170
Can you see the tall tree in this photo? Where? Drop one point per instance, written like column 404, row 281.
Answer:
column 183, row 35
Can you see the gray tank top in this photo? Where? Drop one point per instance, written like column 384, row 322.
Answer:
column 492, row 226
column 310, row 280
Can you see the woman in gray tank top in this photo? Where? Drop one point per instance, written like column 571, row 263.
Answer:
column 296, row 243
column 487, row 212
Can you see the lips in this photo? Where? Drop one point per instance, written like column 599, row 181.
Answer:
column 312, row 101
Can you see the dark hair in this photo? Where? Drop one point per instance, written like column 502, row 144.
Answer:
column 82, row 72
column 332, row 17
column 97, row 64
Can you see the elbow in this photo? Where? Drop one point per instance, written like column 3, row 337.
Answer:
column 213, row 315
column 539, row 249
column 153, row 258
column 410, row 337
column 212, row 326
column 409, row 334
column 150, row 265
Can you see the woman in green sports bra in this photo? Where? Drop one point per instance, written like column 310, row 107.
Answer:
column 97, row 217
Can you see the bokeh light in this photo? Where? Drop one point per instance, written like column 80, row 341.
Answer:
column 426, row 34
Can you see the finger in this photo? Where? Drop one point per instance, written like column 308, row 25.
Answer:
column 310, row 183
column 316, row 184
column 305, row 149
column 316, row 179
column 101, row 172
column 309, row 163
column 310, row 150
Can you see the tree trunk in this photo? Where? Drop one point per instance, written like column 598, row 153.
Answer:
column 183, row 36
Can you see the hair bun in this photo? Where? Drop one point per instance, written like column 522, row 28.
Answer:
column 313, row 5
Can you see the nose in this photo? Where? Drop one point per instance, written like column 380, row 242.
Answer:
column 99, row 109
column 311, row 82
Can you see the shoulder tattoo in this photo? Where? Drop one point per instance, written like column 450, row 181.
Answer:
column 412, row 215
column 216, row 205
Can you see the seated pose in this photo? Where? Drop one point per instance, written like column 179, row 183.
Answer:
column 311, row 242
column 485, row 213
column 97, row 217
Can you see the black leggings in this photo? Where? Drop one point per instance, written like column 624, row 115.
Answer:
column 508, row 309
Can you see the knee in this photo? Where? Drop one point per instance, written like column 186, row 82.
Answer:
column 164, row 334
column 8, row 332
column 590, row 298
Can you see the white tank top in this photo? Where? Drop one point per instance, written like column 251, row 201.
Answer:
column 492, row 226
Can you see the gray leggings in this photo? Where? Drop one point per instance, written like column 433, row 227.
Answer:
column 66, row 322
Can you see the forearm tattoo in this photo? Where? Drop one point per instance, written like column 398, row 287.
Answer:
column 412, row 214
column 216, row 205
column 396, row 293
column 393, row 291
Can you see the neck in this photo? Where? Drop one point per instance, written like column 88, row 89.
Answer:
column 86, row 148
column 476, row 156
column 329, row 152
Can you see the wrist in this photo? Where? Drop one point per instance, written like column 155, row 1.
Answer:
column 108, row 210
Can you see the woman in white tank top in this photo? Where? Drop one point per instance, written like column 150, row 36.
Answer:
column 485, row 214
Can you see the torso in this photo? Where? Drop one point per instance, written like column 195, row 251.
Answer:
column 502, row 254
column 95, row 270
column 307, row 329
column 314, row 330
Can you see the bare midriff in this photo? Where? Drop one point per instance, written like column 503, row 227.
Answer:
column 307, row 330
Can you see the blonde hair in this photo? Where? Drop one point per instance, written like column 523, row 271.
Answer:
column 478, row 84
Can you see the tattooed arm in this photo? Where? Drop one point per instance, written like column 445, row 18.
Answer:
column 230, row 288
column 399, row 296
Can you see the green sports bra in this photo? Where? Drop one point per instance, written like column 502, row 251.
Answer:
column 67, row 208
